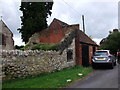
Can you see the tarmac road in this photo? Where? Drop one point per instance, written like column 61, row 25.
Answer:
column 101, row 78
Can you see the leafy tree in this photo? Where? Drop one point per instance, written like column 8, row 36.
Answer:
column 112, row 41
column 34, row 18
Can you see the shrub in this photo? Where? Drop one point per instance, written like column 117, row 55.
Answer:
column 27, row 46
column 44, row 47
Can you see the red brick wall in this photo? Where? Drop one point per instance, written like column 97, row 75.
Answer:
column 80, row 53
column 54, row 34
column 78, row 49
column 90, row 54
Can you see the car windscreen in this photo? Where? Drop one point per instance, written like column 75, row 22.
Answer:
column 101, row 53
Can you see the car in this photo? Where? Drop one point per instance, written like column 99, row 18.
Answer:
column 103, row 57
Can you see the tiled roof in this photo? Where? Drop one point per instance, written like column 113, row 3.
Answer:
column 61, row 22
column 85, row 39
column 82, row 36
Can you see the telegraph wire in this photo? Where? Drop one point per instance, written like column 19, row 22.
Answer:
column 72, row 8
column 77, row 14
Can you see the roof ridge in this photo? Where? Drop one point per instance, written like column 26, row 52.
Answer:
column 60, row 21
column 87, row 37
column 6, row 25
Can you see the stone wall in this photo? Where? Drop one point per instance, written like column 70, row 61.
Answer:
column 17, row 64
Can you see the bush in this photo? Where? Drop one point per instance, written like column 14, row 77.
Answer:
column 44, row 47
column 27, row 46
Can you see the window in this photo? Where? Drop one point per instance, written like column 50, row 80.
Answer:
column 101, row 53
column 69, row 55
column 2, row 39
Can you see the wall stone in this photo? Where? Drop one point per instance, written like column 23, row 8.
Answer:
column 67, row 41
column 20, row 64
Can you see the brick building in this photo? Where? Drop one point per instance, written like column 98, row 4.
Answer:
column 85, row 48
column 6, row 37
column 60, row 32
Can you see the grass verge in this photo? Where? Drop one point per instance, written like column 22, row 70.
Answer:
column 57, row 79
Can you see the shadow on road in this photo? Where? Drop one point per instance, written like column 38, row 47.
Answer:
column 103, row 67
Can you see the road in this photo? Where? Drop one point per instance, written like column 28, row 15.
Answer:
column 101, row 78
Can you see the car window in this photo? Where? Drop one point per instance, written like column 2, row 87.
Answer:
column 101, row 53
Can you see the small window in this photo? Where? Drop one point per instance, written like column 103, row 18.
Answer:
column 69, row 55
column 2, row 39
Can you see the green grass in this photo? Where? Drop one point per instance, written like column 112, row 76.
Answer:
column 53, row 80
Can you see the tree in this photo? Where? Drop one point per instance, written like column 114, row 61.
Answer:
column 112, row 41
column 34, row 18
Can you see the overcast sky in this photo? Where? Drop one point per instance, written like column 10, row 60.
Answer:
column 100, row 17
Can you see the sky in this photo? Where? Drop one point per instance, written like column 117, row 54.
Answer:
column 100, row 16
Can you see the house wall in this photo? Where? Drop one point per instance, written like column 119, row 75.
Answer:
column 90, row 54
column 8, row 36
column 53, row 34
column 77, row 50
column 79, row 54
column 72, row 47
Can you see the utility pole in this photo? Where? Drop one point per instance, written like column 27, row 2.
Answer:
column 83, row 23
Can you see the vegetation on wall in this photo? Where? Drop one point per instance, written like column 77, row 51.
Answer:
column 41, row 46
column 34, row 18
column 61, row 46
column 44, row 47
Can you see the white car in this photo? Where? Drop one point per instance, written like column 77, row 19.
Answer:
column 103, row 57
